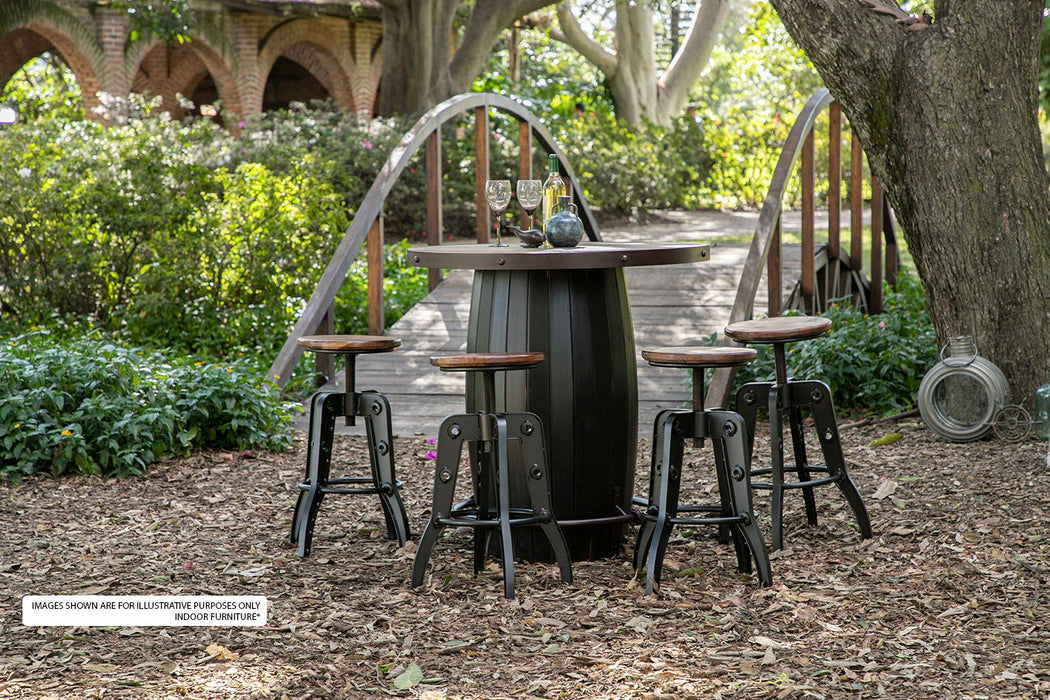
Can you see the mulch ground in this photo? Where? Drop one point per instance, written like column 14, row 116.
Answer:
column 949, row 600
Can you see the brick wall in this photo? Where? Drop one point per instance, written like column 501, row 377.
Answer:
column 93, row 41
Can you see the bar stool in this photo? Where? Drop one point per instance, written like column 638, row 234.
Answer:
column 728, row 436
column 489, row 509
column 325, row 406
column 789, row 396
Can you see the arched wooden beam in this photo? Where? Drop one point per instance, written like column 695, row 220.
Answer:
column 371, row 209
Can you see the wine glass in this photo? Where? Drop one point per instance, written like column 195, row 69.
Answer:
column 497, row 193
column 530, row 194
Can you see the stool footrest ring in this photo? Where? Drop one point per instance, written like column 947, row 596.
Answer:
column 517, row 519
column 811, row 483
column 718, row 520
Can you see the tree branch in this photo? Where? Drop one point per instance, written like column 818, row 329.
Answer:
column 838, row 24
column 487, row 20
column 605, row 60
column 695, row 51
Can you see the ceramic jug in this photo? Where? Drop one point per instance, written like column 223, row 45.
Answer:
column 564, row 228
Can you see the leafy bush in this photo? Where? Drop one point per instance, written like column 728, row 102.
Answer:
column 628, row 170
column 94, row 407
column 871, row 363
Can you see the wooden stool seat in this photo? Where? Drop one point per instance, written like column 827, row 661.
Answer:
column 349, row 344
column 487, row 361
column 779, row 329
column 701, row 356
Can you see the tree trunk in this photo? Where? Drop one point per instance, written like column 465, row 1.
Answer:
column 424, row 62
column 633, row 83
column 638, row 92
column 946, row 112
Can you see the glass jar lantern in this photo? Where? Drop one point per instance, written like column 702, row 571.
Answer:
column 960, row 397
column 1042, row 411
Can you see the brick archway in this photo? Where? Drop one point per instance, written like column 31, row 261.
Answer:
column 168, row 71
column 234, row 47
column 306, row 44
column 36, row 38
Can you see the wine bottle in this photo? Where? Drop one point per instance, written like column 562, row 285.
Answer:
column 553, row 188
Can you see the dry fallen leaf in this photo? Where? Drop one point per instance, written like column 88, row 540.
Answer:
column 886, row 487
column 218, row 651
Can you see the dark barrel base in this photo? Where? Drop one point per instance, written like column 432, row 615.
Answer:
column 586, row 393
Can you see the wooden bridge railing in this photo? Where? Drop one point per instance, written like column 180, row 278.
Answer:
column 827, row 272
column 367, row 225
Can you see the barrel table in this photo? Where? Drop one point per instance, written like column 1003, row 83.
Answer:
column 570, row 304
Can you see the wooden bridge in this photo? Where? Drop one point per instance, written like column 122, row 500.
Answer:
column 670, row 305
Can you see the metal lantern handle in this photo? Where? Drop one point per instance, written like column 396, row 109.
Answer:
column 963, row 343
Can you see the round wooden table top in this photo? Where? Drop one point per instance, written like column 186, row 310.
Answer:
column 587, row 255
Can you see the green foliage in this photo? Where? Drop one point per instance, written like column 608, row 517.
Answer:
column 167, row 20
column 873, row 364
column 182, row 236
column 44, row 89
column 94, row 407
column 552, row 78
column 757, row 82
column 627, row 169
column 403, row 286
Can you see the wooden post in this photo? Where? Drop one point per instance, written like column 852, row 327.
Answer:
column 435, row 217
column 524, row 164
column 774, row 272
column 808, row 279
column 856, row 205
column 481, row 157
column 876, row 247
column 831, row 281
column 376, row 307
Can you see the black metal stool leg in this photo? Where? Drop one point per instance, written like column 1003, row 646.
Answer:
column 749, row 398
column 823, row 412
column 731, row 427
column 776, row 448
column 325, row 406
column 454, row 430
column 721, row 432
column 798, row 445
column 499, row 449
column 376, row 410
column 668, row 466
column 529, row 429
column 656, row 484
column 484, row 494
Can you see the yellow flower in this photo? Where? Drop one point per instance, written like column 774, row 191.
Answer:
column 67, row 433
column 18, row 425
column 197, row 364
column 229, row 370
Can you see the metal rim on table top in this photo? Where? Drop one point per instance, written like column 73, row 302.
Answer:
column 587, row 255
